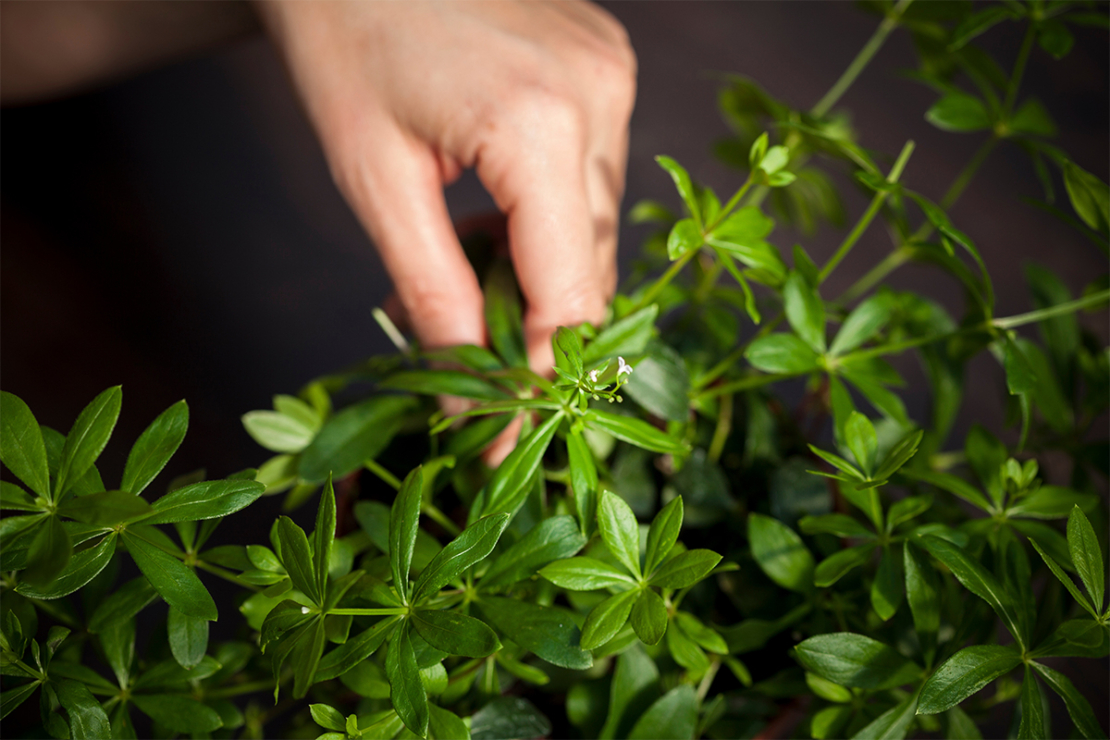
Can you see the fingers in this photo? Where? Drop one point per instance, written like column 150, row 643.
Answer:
column 398, row 194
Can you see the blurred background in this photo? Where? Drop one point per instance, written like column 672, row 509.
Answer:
column 177, row 231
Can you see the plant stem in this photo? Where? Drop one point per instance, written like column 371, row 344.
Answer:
column 959, row 185
column 440, row 518
column 227, row 575
column 732, row 203
column 1059, row 309
column 868, row 215
column 653, row 292
column 745, row 384
column 389, row 611
column 381, row 472
column 243, row 688
column 1019, row 70
column 862, row 59
column 703, row 687
column 721, row 432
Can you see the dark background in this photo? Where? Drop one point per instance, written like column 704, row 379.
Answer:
column 179, row 233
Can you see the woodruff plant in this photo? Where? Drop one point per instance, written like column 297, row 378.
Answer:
column 856, row 573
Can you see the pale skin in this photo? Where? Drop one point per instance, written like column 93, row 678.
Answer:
column 535, row 96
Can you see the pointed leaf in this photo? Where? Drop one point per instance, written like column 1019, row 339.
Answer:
column 296, row 557
column 404, row 521
column 619, row 530
column 406, row 691
column 805, row 311
column 205, row 500
column 1086, row 555
column 171, row 578
column 607, row 619
column 551, row 540
column 585, row 574
column 470, row 547
column 188, row 637
column 965, row 673
column 583, row 480
column 21, row 444
column 635, row 432
column 855, row 661
column 673, row 717
column 86, row 718
column 685, row 569
column 155, row 447
column 87, row 438
column 649, row 617
column 548, row 632
column 783, row 354
column 663, row 534
column 455, row 633
column 780, row 553
column 508, row 487
column 1078, row 707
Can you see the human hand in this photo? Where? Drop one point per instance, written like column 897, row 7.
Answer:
column 535, row 96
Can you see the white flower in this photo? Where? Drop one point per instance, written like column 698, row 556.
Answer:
column 623, row 367
column 304, row 610
column 593, row 376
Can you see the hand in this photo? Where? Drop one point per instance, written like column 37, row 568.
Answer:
column 535, row 96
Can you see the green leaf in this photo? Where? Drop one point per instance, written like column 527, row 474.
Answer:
column 472, row 546
column 953, row 485
column 705, row 637
column 583, row 480
column 406, row 690
column 977, row 24
column 685, row 569
column 607, row 619
column 628, row 337
column 649, row 617
column 829, row 722
column 1078, row 707
column 86, row 718
column 839, row 564
column 548, row 632
column 14, row 497
column 663, row 534
column 673, row 717
column 106, row 508
column 567, row 349
column 296, row 557
column 328, row 717
column 978, row 580
column 1085, row 633
column 323, row 537
column 585, row 574
column 122, row 604
column 508, row 487
column 780, row 553
column 887, row 588
column 922, row 590
column 205, row 500
column 907, row 509
column 278, row 432
column 87, row 438
column 619, row 530
column 959, row 112
column 635, row 432
column 1089, row 196
column 899, row 455
column 1055, row 38
column 1052, row 502
column 551, row 540
column 503, row 315
column 355, row 650
column 12, row 698
column 178, row 713
column 682, row 183
column 1034, row 719
column 965, row 673
column 188, row 637
column 307, row 647
column 356, row 434
column 661, row 384
column 841, row 525
column 893, row 724
column 649, row 211
column 805, row 311
column 508, row 717
column 118, row 642
column 683, row 237
column 1020, row 376
column 1064, row 579
column 446, row 725
column 855, row 661
column 860, row 438
column 960, row 726
column 828, row 690
column 404, row 520
column 455, row 633
column 1086, row 555
column 1032, row 119
column 443, row 383
column 21, row 444
column 775, row 159
column 48, row 553
column 783, row 354
column 176, row 582
column 862, row 324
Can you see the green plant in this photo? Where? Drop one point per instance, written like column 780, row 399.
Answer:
column 841, row 565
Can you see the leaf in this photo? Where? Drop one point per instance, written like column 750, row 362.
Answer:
column 1064, row 578
column 633, row 688
column 683, row 237
column 899, row 455
column 404, row 521
column 839, row 564
column 661, row 384
column 619, row 530
column 176, row 582
column 862, row 324
column 1020, row 376
column 783, row 354
column 472, row 546
column 649, row 617
column 805, row 311
column 443, row 383
column 953, row 485
column 860, row 438
column 1052, row 502
column 1055, row 38
column 205, row 500
column 682, row 183
column 1033, row 120
column 48, row 553
column 446, row 725
column 551, row 540
column 406, row 691
column 1086, row 555
column 628, row 337
column 673, row 717
column 585, row 574
column 455, row 633
column 178, row 713
column 960, row 726
column 685, row 569
column 977, row 24
column 87, row 438
column 841, row 525
column 188, row 637
column 1089, row 196
column 118, row 643
column 964, row 674
column 922, row 590
column 86, row 718
column 1078, row 707
column 780, row 553
column 893, row 724
column 356, row 434
column 106, row 508
column 663, row 534
column 21, row 445
column 1034, row 720
column 296, row 557
column 355, row 650
column 705, row 637
column 978, row 580
column 122, row 604
column 12, row 698
column 503, row 315
column 508, row 717
column 548, row 632
column 583, row 480
column 328, row 717
column 887, row 588
column 855, row 661
column 607, row 619
column 508, row 487
column 635, row 432
column 959, row 112
column 323, row 537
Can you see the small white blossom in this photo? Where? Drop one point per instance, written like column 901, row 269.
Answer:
column 623, row 368
column 304, row 610
column 593, row 376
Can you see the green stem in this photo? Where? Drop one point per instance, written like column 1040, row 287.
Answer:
column 959, row 185
column 868, row 215
column 721, row 432
column 862, row 59
column 1059, row 309
column 1019, row 70
column 373, row 466
column 389, row 611
column 442, row 519
column 732, row 203
column 653, row 292
column 744, row 384
column 721, row 367
column 703, row 687
column 244, row 688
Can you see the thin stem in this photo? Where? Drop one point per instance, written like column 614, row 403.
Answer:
column 381, row 472
column 703, row 687
column 653, row 292
column 900, row 256
column 1019, row 70
column 244, row 688
column 862, row 59
column 745, row 384
column 440, row 518
column 868, row 215
column 1059, row 309
column 959, row 185
column 721, row 432
column 721, row 367
column 227, row 575
column 732, row 203
column 389, row 611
